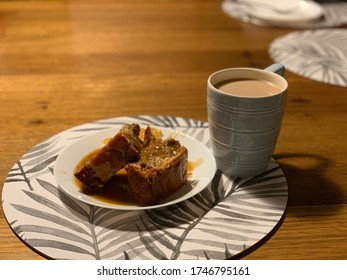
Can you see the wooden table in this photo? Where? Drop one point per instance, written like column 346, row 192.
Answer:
column 65, row 63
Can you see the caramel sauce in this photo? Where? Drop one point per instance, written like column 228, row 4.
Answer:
column 115, row 191
column 159, row 149
column 192, row 165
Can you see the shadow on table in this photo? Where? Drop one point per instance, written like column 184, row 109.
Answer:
column 307, row 181
column 308, row 185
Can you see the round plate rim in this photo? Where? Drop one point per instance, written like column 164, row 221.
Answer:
column 60, row 172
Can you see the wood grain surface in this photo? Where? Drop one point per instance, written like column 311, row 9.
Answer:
column 65, row 63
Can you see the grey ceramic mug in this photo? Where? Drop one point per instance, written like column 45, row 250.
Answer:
column 244, row 129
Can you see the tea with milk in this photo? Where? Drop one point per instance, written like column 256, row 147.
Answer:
column 248, row 87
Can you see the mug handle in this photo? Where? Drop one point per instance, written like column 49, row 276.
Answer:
column 276, row 68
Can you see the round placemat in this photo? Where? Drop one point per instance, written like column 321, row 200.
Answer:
column 320, row 55
column 335, row 14
column 225, row 219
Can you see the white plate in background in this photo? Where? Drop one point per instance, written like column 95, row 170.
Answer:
column 306, row 11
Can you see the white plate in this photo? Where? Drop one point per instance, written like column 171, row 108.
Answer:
column 71, row 155
column 307, row 11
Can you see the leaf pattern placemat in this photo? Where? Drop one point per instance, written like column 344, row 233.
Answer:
column 320, row 55
column 228, row 217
